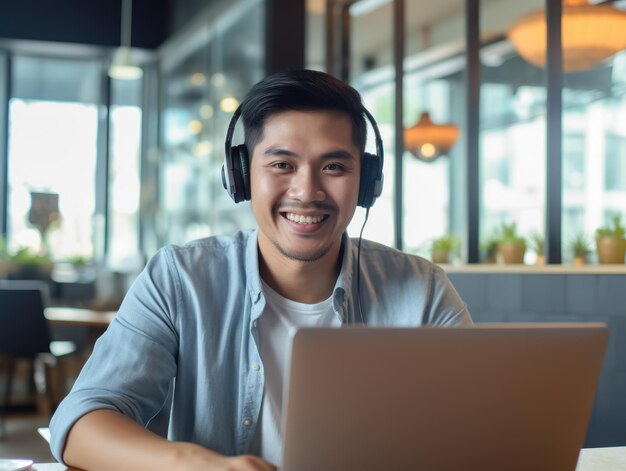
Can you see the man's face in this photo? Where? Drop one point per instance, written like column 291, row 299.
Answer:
column 304, row 179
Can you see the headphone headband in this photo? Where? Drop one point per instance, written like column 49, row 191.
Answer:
column 231, row 130
column 235, row 170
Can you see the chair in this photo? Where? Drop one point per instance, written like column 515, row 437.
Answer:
column 24, row 334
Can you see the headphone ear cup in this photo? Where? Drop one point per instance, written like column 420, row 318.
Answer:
column 244, row 163
column 368, row 184
column 240, row 180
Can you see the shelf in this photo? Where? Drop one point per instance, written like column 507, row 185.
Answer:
column 537, row 269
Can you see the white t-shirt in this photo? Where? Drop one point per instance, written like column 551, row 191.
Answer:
column 277, row 325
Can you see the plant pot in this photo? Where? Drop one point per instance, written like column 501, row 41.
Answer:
column 512, row 252
column 6, row 268
column 610, row 250
column 440, row 256
column 32, row 271
column 579, row 261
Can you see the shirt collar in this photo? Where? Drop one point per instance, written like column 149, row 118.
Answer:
column 343, row 286
column 253, row 275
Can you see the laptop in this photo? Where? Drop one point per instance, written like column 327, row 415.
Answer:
column 492, row 396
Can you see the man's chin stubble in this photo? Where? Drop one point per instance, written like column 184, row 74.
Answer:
column 302, row 258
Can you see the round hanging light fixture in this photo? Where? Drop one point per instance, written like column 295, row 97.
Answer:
column 427, row 140
column 590, row 34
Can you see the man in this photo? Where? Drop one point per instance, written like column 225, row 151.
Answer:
column 217, row 315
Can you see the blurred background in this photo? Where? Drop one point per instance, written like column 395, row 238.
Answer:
column 133, row 164
column 504, row 124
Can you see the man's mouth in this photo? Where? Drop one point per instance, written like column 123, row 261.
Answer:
column 302, row 219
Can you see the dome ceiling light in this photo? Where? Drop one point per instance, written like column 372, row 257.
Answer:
column 427, row 140
column 590, row 34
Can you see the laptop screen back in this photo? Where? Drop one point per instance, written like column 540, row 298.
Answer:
column 487, row 397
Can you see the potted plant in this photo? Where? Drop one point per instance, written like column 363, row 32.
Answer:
column 82, row 266
column 611, row 241
column 442, row 248
column 537, row 246
column 581, row 248
column 6, row 266
column 30, row 265
column 512, row 246
column 490, row 248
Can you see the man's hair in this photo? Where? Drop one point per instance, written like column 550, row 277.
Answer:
column 300, row 90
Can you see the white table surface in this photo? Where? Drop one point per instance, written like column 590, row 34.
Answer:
column 590, row 459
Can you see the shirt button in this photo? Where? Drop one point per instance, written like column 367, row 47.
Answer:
column 247, row 422
column 256, row 367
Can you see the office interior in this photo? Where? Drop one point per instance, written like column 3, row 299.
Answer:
column 526, row 143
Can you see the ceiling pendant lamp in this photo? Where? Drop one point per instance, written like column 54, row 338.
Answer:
column 590, row 34
column 123, row 66
column 427, row 140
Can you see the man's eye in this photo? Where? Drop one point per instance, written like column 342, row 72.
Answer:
column 281, row 165
column 335, row 167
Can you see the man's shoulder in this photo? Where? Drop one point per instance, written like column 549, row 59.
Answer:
column 391, row 262
column 213, row 251
column 219, row 244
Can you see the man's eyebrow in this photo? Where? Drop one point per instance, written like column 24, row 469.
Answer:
column 270, row 151
column 333, row 154
column 338, row 154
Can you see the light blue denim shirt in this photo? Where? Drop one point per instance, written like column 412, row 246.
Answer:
column 192, row 315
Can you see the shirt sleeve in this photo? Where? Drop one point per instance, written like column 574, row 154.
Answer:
column 133, row 363
column 446, row 308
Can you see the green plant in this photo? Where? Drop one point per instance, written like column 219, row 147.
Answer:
column 509, row 235
column 78, row 260
column 614, row 229
column 580, row 245
column 446, row 243
column 489, row 247
column 442, row 247
column 26, row 256
column 4, row 253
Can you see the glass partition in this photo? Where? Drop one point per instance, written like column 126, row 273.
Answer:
column 203, row 84
column 512, row 130
column 433, row 83
column 594, row 150
column 513, row 126
column 371, row 73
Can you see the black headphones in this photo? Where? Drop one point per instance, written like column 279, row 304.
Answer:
column 236, row 168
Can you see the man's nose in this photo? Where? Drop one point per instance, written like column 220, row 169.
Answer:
column 306, row 185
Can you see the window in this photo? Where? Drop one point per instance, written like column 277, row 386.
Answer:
column 615, row 170
column 594, row 148
column 124, row 174
column 53, row 125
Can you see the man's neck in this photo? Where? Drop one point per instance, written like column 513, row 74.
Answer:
column 304, row 282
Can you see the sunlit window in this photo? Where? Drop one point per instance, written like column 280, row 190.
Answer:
column 55, row 168
column 124, row 175
column 52, row 149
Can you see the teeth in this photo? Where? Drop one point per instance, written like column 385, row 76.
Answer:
column 304, row 219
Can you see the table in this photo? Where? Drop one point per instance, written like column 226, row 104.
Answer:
column 79, row 317
column 94, row 322
column 51, row 467
column 590, row 459
column 602, row 459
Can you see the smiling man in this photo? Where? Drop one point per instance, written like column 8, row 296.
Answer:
column 215, row 317
column 304, row 186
